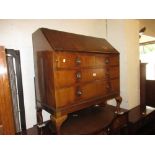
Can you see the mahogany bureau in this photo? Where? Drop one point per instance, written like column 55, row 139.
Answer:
column 73, row 72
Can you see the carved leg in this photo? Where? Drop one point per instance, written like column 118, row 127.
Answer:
column 58, row 122
column 118, row 101
column 39, row 116
column 40, row 123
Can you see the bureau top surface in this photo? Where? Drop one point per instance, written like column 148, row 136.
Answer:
column 64, row 41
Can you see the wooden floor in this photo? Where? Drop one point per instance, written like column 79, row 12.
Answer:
column 139, row 124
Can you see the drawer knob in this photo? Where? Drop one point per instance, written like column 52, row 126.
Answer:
column 107, row 61
column 79, row 92
column 78, row 75
column 78, row 61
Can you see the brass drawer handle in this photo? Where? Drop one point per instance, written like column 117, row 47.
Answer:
column 79, row 92
column 78, row 60
column 107, row 61
column 78, row 75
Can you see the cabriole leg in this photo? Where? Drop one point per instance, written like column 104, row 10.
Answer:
column 58, row 121
column 118, row 101
column 39, row 117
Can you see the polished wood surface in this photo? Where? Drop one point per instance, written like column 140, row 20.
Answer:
column 6, row 109
column 74, row 42
column 74, row 73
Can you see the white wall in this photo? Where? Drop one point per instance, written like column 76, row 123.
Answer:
column 123, row 35
column 17, row 34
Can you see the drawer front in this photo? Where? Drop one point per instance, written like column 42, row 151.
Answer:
column 87, row 60
column 65, row 78
column 71, row 95
column 88, row 75
column 114, row 72
column 102, row 88
column 86, row 91
column 65, row 96
column 101, row 73
column 65, row 60
column 106, row 60
column 74, row 60
column 102, row 60
column 85, row 75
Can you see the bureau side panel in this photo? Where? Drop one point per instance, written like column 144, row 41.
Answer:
column 44, row 81
column 43, row 58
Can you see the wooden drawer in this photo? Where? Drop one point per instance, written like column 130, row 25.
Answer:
column 87, row 75
column 65, row 96
column 71, row 95
column 106, row 60
column 102, row 87
column 88, row 91
column 65, row 78
column 101, row 60
column 65, row 60
column 101, row 73
column 93, row 74
column 87, row 60
column 74, row 60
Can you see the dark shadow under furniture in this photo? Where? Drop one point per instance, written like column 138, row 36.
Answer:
column 132, row 122
column 142, row 124
column 95, row 120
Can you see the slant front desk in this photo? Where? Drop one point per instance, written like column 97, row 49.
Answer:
column 73, row 72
